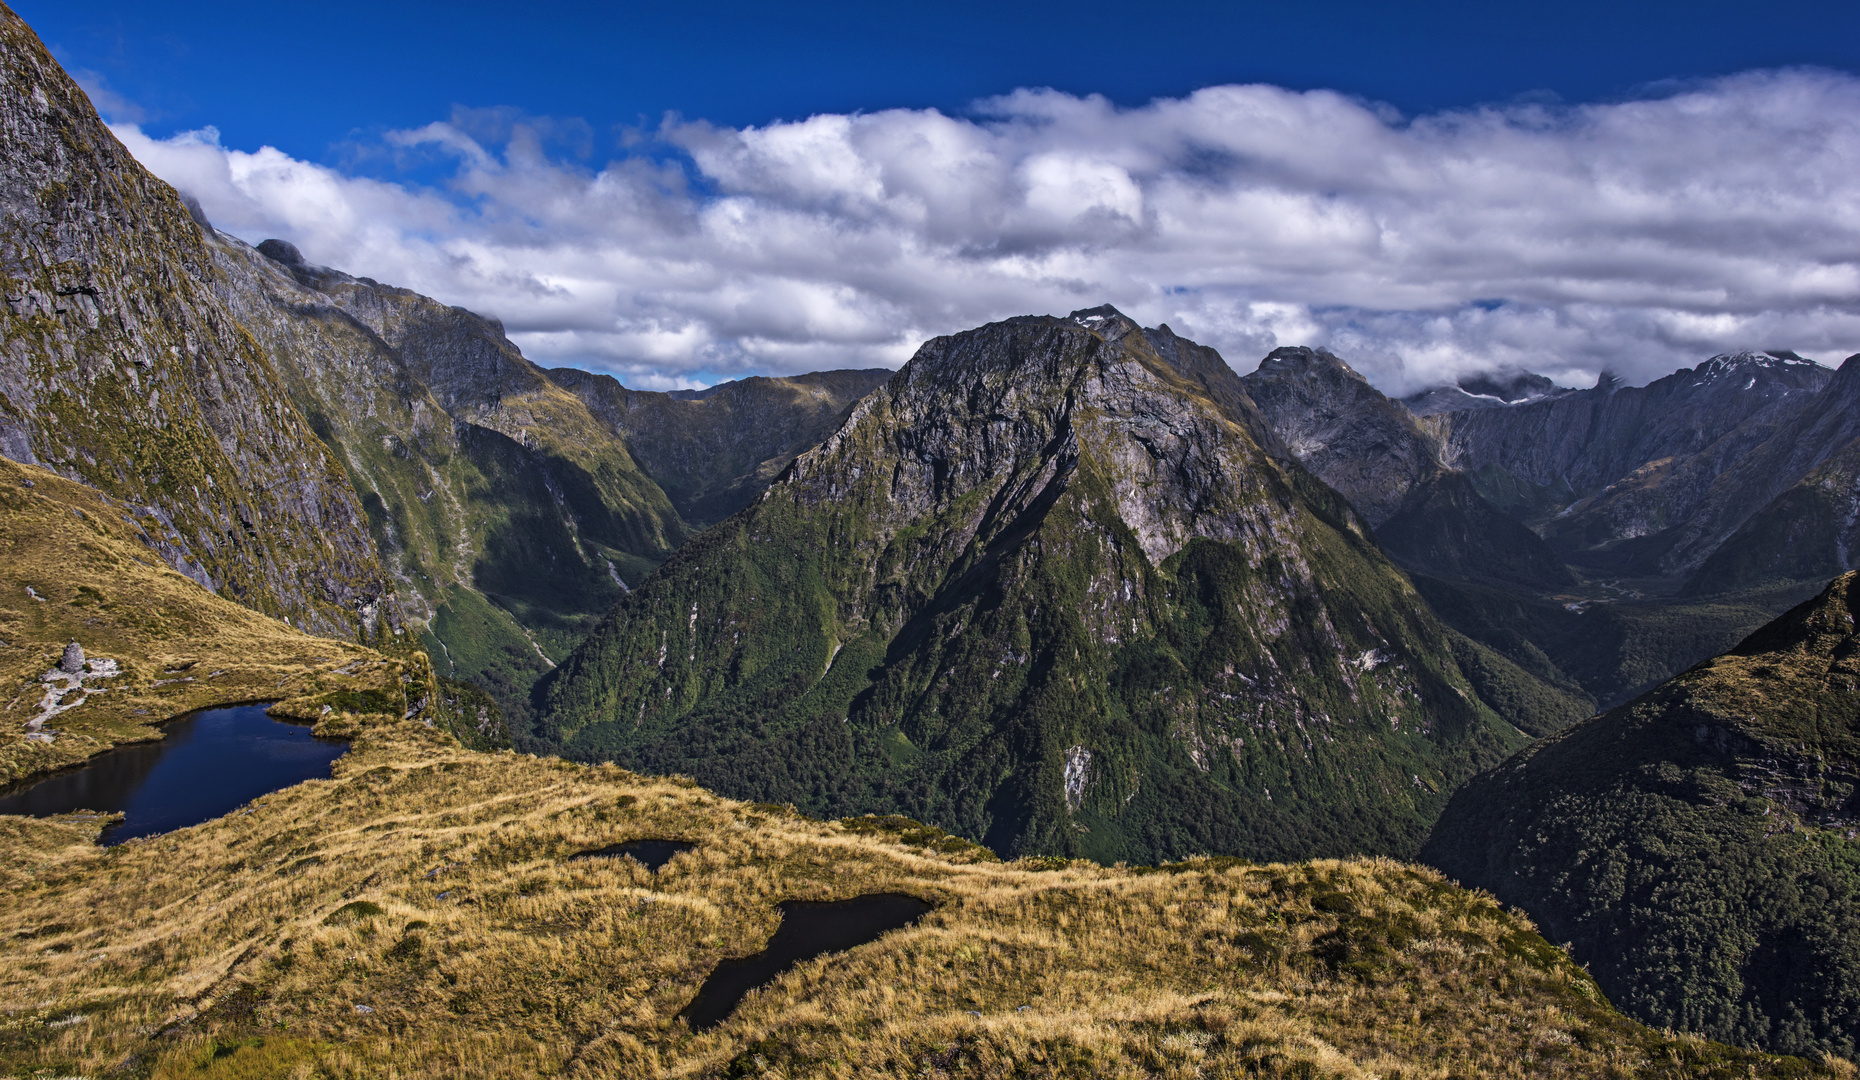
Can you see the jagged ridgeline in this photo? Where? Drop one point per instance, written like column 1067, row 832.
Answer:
column 1041, row 589
column 1696, row 847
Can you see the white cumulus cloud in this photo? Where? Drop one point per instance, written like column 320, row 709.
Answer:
column 1633, row 236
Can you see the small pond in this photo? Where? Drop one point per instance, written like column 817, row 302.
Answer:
column 807, row 930
column 650, row 854
column 207, row 763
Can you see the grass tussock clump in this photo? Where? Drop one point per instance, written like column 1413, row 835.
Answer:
column 76, row 565
column 418, row 915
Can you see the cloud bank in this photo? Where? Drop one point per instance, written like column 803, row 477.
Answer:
column 1637, row 236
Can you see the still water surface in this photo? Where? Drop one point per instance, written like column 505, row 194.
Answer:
column 650, row 854
column 207, row 763
column 807, row 930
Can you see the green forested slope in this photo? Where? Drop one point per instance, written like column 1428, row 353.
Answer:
column 1696, row 847
column 1041, row 591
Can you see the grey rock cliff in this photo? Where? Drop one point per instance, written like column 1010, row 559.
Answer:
column 1621, row 477
column 1355, row 438
column 1429, row 518
column 122, row 368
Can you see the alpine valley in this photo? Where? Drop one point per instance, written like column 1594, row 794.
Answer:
column 1200, row 724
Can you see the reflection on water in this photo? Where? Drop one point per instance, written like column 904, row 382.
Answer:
column 807, row 930
column 206, row 764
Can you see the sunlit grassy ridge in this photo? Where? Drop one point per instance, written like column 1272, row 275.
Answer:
column 92, row 580
column 428, row 885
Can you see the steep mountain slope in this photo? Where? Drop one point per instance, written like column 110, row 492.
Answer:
column 345, row 454
column 1618, row 477
column 77, row 566
column 507, row 515
column 1347, row 432
column 1430, row 519
column 121, row 367
column 1810, row 530
column 1041, row 590
column 1697, row 846
column 714, row 451
column 1790, row 509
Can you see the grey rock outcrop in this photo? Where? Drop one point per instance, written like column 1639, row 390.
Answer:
column 120, row 367
column 1429, row 518
column 73, row 660
column 281, row 251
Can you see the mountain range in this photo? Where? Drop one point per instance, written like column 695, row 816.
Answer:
column 1065, row 590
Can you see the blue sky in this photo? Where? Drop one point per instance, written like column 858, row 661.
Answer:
column 519, row 160
column 309, row 79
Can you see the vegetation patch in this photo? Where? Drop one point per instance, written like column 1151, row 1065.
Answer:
column 1695, row 847
column 509, row 961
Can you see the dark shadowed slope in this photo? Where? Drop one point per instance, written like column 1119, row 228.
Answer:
column 713, row 451
column 1696, row 847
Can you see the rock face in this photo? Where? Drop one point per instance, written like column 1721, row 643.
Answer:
column 1790, row 509
column 1347, row 432
column 1625, row 480
column 713, row 451
column 508, row 517
column 1696, row 847
column 512, row 506
column 324, row 448
column 121, row 367
column 1429, row 518
column 1044, row 589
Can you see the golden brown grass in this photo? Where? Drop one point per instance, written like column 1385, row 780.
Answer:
column 182, row 647
column 428, row 884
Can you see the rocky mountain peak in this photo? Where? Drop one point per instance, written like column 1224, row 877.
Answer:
column 1346, row 431
column 1780, row 368
column 1305, row 363
column 1106, row 321
column 930, row 611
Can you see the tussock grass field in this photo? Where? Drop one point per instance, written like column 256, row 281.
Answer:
column 415, row 915
column 74, row 567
